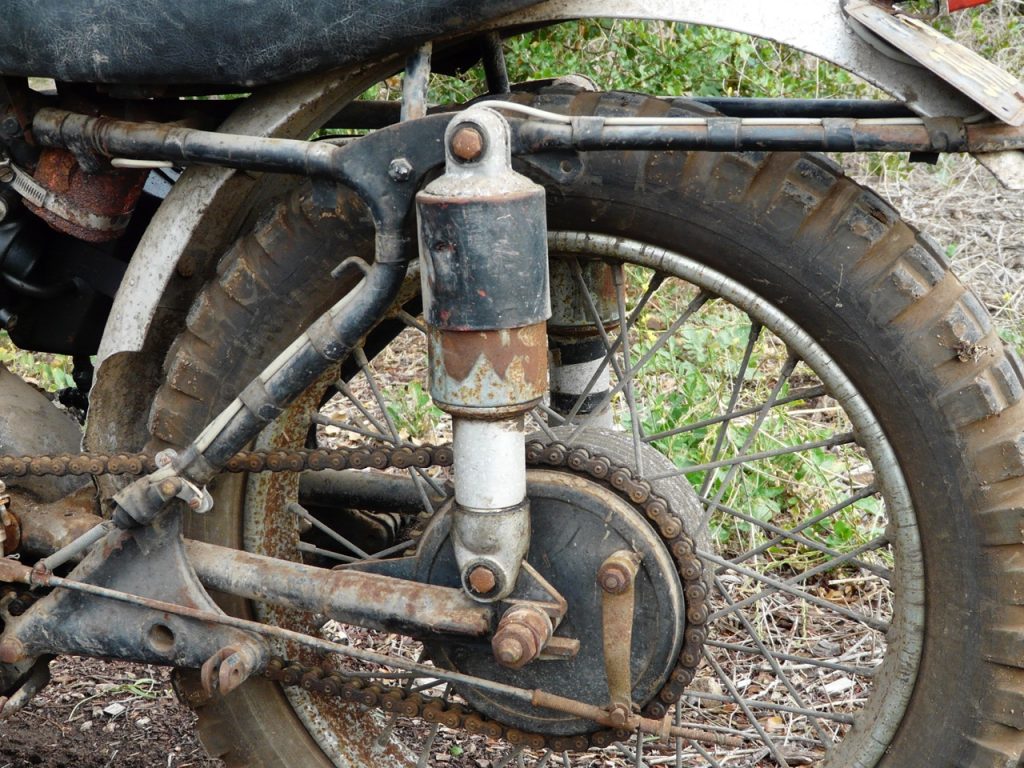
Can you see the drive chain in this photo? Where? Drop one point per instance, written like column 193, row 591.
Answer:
column 395, row 699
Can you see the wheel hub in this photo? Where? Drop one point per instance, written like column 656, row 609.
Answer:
column 576, row 525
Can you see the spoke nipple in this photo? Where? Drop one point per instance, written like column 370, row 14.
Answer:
column 468, row 143
column 482, row 580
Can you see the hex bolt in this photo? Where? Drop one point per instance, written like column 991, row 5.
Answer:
column 617, row 573
column 482, row 580
column 400, row 169
column 468, row 143
column 6, row 174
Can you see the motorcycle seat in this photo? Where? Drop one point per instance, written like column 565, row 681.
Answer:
column 219, row 42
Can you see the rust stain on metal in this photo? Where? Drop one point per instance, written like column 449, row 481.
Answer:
column 524, row 349
column 111, row 195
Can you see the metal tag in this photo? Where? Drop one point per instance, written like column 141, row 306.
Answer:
column 993, row 88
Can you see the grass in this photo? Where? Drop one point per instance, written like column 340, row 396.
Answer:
column 49, row 372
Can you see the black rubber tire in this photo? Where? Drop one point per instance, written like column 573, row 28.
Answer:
column 877, row 296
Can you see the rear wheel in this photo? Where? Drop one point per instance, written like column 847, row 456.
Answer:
column 837, row 401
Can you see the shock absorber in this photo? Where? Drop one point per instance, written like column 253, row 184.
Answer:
column 483, row 253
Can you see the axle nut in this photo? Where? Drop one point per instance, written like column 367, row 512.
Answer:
column 468, row 143
column 482, row 580
column 509, row 651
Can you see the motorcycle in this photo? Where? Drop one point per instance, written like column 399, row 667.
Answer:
column 723, row 466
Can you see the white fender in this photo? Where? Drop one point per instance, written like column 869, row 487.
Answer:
column 817, row 27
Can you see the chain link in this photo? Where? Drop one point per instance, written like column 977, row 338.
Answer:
column 393, row 698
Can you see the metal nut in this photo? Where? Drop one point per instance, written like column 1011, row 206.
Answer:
column 617, row 573
column 613, row 578
column 468, row 143
column 522, row 634
column 482, row 580
column 509, row 651
column 400, row 169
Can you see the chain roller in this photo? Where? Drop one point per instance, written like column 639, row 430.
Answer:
column 395, row 699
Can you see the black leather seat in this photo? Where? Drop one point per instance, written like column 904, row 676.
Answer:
column 218, row 42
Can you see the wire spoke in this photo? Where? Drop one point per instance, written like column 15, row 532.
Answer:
column 737, row 389
column 784, row 586
column 634, row 416
column 419, row 476
column 787, row 370
column 793, row 397
column 843, row 438
column 804, row 660
column 694, row 306
column 744, row 705
column 868, row 621
column 347, row 426
column 837, row 717
column 772, row 662
column 793, row 534
column 652, row 286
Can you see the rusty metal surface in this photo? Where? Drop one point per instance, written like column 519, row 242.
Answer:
column 991, row 87
column 616, row 577
column 618, row 480
column 148, row 563
column 46, row 528
column 500, row 372
column 10, row 528
column 571, row 313
column 352, row 597
column 107, row 198
column 521, row 637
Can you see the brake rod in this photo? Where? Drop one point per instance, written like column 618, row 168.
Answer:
column 12, row 571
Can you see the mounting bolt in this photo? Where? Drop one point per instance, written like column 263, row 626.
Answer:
column 400, row 169
column 468, row 143
column 617, row 573
column 482, row 580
